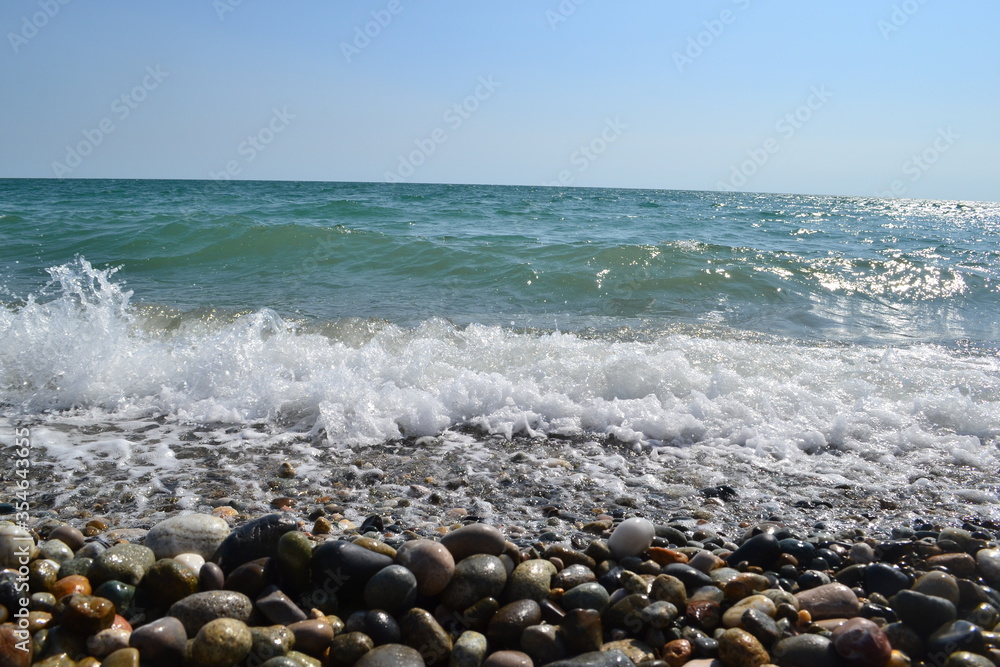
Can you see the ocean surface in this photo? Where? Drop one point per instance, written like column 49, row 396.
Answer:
column 847, row 340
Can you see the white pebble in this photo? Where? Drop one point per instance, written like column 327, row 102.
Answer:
column 191, row 561
column 16, row 545
column 631, row 538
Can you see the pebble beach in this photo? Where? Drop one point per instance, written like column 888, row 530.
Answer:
column 343, row 579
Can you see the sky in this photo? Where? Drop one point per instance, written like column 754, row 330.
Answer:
column 856, row 97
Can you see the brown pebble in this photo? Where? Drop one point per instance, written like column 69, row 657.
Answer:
column 85, row 614
column 312, row 636
column 664, row 556
column 677, row 652
column 322, row 526
column 286, row 470
column 739, row 648
column 95, row 527
column 10, row 654
column 959, row 564
column 508, row 659
column 74, row 583
column 123, row 657
column 68, row 535
column 283, row 503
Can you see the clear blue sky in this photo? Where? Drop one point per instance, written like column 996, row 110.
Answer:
column 853, row 97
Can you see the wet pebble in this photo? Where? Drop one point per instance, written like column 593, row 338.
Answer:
column 477, row 538
column 430, row 562
column 160, row 642
column 190, row 533
column 476, row 577
column 631, row 537
column 199, row 609
column 829, row 601
column 221, row 643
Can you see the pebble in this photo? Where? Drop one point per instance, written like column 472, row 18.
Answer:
column 422, row 631
column 125, row 562
column 760, row 550
column 221, row 643
column 967, row 659
column 602, row 659
column 476, row 577
column 631, row 537
column 348, row 648
column 190, row 533
column 168, row 581
column 531, row 580
column 829, row 601
column 107, row 641
column 477, row 538
column 279, row 608
column 469, row 650
column 313, row 635
column 123, row 657
column 733, row 616
column 808, row 650
column 510, row 621
column 430, row 562
column 199, row 609
column 193, row 562
column 68, row 535
column 988, row 561
column 74, row 583
column 345, row 568
column 938, row 584
column 160, row 642
column 923, row 613
column 956, row 635
column 393, row 588
column 13, row 540
column 885, row 579
column 738, row 648
column 252, row 540
column 861, row 642
column 391, row 655
column 55, row 550
column 508, row 659
column 85, row 614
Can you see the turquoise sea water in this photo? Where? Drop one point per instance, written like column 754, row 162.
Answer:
column 807, row 268
column 850, row 338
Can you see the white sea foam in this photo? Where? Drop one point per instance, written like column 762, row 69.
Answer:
column 88, row 348
column 850, row 413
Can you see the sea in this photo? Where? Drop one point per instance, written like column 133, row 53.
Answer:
column 786, row 347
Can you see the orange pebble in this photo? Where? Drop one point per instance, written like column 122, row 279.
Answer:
column 664, row 556
column 74, row 583
column 224, row 511
column 121, row 624
column 898, row 659
column 805, row 618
